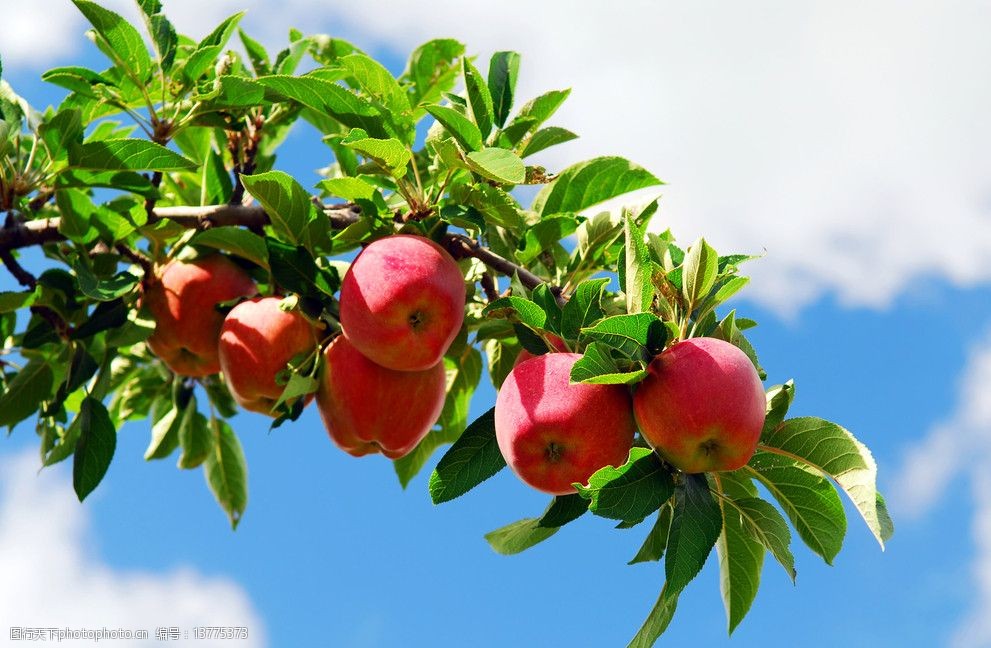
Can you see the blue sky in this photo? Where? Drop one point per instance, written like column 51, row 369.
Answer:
column 803, row 132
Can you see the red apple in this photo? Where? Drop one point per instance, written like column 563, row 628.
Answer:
column 402, row 302
column 701, row 406
column 554, row 433
column 257, row 340
column 182, row 299
column 556, row 345
column 367, row 408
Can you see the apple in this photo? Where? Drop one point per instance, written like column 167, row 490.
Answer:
column 182, row 299
column 368, row 408
column 257, row 340
column 402, row 302
column 553, row 433
column 556, row 345
column 701, row 406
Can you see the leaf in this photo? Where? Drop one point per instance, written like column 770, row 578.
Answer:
column 835, row 452
column 285, row 201
column 473, row 458
column 695, row 527
column 534, row 113
column 165, row 434
column 583, row 308
column 256, row 54
column 654, row 544
column 163, row 34
column 348, row 188
column 127, row 155
column 14, row 301
column 208, row 50
column 543, row 235
column 497, row 164
column 117, row 286
column 124, row 40
column 590, row 183
column 525, row 311
column 295, row 270
column 460, row 127
column 237, row 241
column 377, row 82
column 390, row 154
column 727, row 289
column 546, row 138
column 25, row 392
column 766, row 524
column 657, row 621
column 95, row 447
column 432, row 69
column 479, row 97
column 629, row 492
column 598, row 368
column 226, row 471
column 699, row 271
column 779, row 399
column 807, row 498
column 62, row 133
column 329, row 99
column 741, row 555
column 195, row 438
column 638, row 270
column 107, row 315
column 629, row 334
column 504, row 68
column 519, row 536
column 563, row 509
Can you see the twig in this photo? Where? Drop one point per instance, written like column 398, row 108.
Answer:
column 489, row 287
column 461, row 246
column 23, row 277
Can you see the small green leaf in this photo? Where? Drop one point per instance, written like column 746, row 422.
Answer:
column 432, row 69
column 521, row 309
column 695, row 526
column 519, row 536
column 236, row 240
column 629, row 492
column 546, row 138
column 25, row 392
column 348, row 188
column 630, row 334
column 256, row 54
column 590, row 183
column 127, row 155
column 598, row 368
column 208, row 50
column 13, row 301
column 657, row 621
column 638, row 269
column 504, row 68
column 779, row 399
column 226, row 471
column 94, row 449
column 295, row 269
column 285, row 200
column 165, row 435
column 564, row 509
column 543, row 235
column 390, row 154
column 741, row 555
column 699, row 272
column 473, row 458
column 583, row 308
column 123, row 39
column 376, row 82
column 329, row 99
column 116, row 286
column 479, row 97
column 497, row 164
column 460, row 127
column 195, row 438
column 656, row 541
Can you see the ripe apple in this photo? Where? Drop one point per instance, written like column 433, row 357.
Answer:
column 182, row 299
column 368, row 408
column 701, row 406
column 554, row 433
column 556, row 345
column 257, row 340
column 402, row 302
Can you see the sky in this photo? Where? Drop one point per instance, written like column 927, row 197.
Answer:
column 845, row 141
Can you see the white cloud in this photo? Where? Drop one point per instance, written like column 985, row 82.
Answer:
column 51, row 577
column 959, row 447
column 845, row 138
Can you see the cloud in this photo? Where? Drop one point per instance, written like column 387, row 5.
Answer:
column 959, row 447
column 51, row 577
column 845, row 138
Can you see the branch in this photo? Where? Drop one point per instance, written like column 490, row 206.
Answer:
column 462, row 246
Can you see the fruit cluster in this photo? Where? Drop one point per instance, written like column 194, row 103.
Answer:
column 382, row 387
column 383, row 380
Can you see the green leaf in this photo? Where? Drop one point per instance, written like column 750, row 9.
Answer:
column 534, row 113
column 766, row 524
column 163, row 34
column 546, row 138
column 741, row 555
column 562, row 510
column 348, row 188
column 256, row 54
column 497, row 207
column 25, row 392
column 121, row 180
column 656, row 541
column 226, row 471
column 583, row 309
column 598, row 368
column 590, row 183
column 237, row 241
column 544, row 235
column 432, row 69
column 630, row 334
column 479, row 97
column 497, row 164
column 473, row 458
column 727, row 289
column 835, row 452
column 390, row 154
column 807, row 498
column 329, row 99
column 285, row 201
column 122, row 38
column 657, row 621
column 779, row 399
column 629, row 492
column 378, row 83
column 14, row 301
column 107, row 315
column 523, row 310
column 504, row 68
column 95, row 447
column 127, row 155
column 195, row 438
column 519, row 536
column 695, row 527
column 295, row 270
column 208, row 50
column 165, row 434
column 638, row 270
column 62, row 133
column 460, row 127
column 699, row 271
